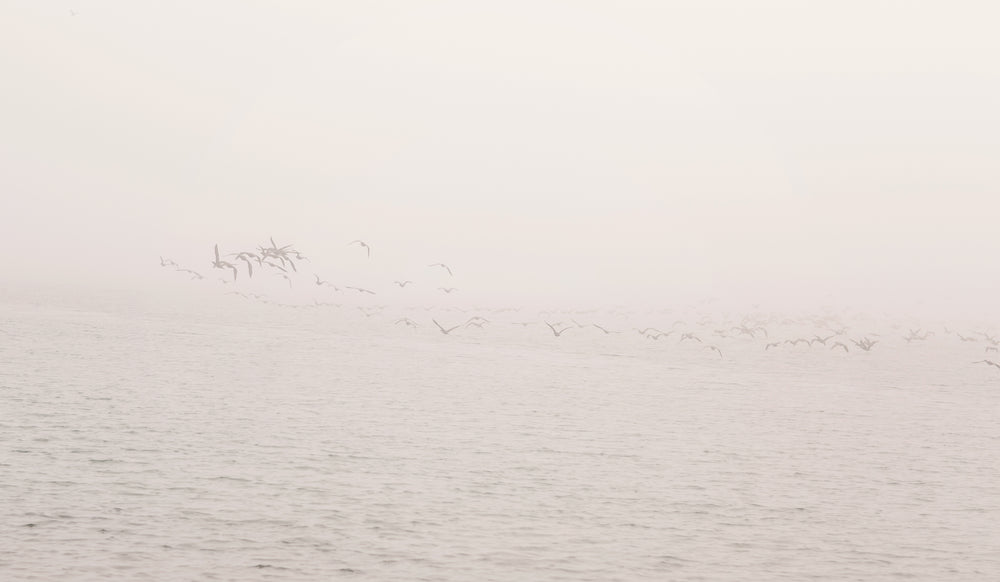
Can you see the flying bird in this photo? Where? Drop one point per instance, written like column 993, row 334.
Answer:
column 443, row 266
column 364, row 244
column 402, row 283
column 557, row 332
column 361, row 290
column 448, row 289
column 220, row 264
column 840, row 345
column 443, row 330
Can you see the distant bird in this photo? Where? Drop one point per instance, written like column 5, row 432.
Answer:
column 771, row 345
column 840, row 345
column 478, row 324
column 989, row 363
column 643, row 331
column 604, row 330
column 443, row 266
column 715, row 349
column 865, row 343
column 409, row 322
column 821, row 340
column 220, row 264
column 448, row 289
column 443, row 330
column 320, row 282
column 402, row 283
column 557, row 332
column 364, row 244
column 691, row 336
column 166, row 262
column 360, row 290
column 965, row 339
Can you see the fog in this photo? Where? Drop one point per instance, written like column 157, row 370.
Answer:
column 640, row 152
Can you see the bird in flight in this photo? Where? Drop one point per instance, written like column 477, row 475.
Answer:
column 557, row 332
column 166, row 262
column 606, row 331
column 364, row 244
column 406, row 320
column 443, row 330
column 220, row 264
column 715, row 349
column 840, row 345
column 361, row 290
column 402, row 283
column 443, row 266
column 988, row 363
column 448, row 289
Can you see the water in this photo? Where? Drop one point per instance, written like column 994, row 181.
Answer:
column 261, row 443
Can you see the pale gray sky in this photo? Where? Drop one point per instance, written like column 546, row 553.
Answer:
column 607, row 151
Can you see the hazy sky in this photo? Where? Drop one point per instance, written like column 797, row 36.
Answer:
column 604, row 150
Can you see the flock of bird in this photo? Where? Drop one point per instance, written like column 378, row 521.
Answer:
column 271, row 260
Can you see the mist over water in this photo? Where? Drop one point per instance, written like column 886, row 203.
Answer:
column 763, row 234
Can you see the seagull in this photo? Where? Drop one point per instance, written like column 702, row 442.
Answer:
column 690, row 335
column 771, row 345
column 320, row 282
column 442, row 265
column 220, row 264
column 478, row 324
column 448, row 289
column 443, row 330
column 402, row 283
column 604, row 330
column 556, row 332
column 361, row 290
column 989, row 363
column 840, row 345
column 165, row 262
column 364, row 244
column 715, row 349
column 409, row 322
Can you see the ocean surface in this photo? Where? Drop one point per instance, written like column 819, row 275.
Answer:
column 242, row 441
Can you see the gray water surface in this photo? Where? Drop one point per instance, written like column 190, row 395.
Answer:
column 294, row 445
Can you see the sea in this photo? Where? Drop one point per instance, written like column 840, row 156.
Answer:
column 245, row 440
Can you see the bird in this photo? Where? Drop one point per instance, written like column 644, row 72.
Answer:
column 606, row 331
column 690, row 335
column 448, row 289
column 220, row 264
column 989, row 363
column 865, row 343
column 360, row 290
column 443, row 330
column 715, row 349
column 402, row 283
column 556, row 332
column 364, row 244
column 443, row 266
column 320, row 282
column 771, row 345
column 840, row 345
column 406, row 320
column 166, row 262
